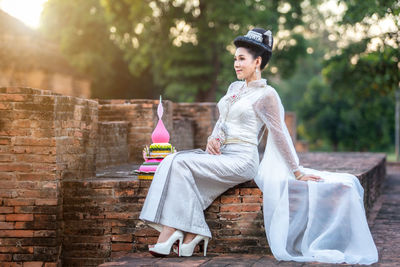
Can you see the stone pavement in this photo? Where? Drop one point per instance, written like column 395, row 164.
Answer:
column 384, row 223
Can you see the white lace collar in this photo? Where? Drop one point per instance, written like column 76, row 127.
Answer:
column 257, row 83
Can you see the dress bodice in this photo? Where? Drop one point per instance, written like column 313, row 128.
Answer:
column 239, row 119
column 245, row 108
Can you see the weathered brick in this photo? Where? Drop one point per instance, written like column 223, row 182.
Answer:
column 228, row 216
column 251, row 207
column 6, row 105
column 6, row 225
column 252, row 199
column 24, row 225
column 15, row 98
column 36, row 209
column 26, row 193
column 23, row 257
column 31, row 141
column 5, row 257
column 40, row 176
column 40, row 202
column 44, row 233
column 7, row 158
column 6, row 209
column 121, row 246
column 19, row 217
column 11, row 264
column 16, row 249
column 122, row 238
column 230, row 199
column 250, row 191
column 19, row 202
column 21, row 167
column 16, row 233
column 5, row 140
column 34, row 150
column 7, row 176
column 146, row 232
column 33, row 264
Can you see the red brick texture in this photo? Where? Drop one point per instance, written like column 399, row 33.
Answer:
column 55, row 211
column 44, row 138
column 112, row 143
column 103, row 213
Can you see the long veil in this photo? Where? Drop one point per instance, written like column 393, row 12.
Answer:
column 312, row 221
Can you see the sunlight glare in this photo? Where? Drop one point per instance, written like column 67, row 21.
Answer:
column 28, row 11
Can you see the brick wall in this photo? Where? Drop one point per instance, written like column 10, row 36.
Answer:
column 204, row 117
column 182, row 133
column 142, row 117
column 44, row 137
column 112, row 143
column 101, row 215
column 55, row 209
column 101, row 220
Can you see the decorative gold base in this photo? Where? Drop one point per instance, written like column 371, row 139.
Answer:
column 145, row 176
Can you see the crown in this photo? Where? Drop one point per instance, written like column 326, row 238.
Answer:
column 254, row 35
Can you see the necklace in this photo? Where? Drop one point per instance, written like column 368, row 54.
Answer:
column 237, row 96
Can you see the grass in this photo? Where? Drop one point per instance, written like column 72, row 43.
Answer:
column 391, row 156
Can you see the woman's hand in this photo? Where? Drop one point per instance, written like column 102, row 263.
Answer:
column 213, row 147
column 311, row 177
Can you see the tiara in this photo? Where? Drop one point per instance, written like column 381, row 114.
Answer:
column 269, row 34
column 259, row 37
column 254, row 35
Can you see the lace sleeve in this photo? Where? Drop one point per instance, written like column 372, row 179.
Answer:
column 267, row 108
column 217, row 132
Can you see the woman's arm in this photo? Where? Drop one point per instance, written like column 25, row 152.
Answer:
column 267, row 108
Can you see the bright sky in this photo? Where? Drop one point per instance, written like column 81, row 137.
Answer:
column 27, row 11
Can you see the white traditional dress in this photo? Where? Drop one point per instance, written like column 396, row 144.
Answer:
column 304, row 221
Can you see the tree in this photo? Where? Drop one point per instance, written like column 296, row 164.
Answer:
column 353, row 102
column 187, row 44
column 80, row 27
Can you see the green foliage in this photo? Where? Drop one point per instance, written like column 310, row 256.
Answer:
column 352, row 106
column 80, row 27
column 186, row 44
column 358, row 10
column 347, row 121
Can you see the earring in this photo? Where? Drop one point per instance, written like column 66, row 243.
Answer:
column 257, row 71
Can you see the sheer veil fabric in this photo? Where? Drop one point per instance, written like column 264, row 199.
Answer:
column 304, row 221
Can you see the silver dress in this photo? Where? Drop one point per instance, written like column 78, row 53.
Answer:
column 304, row 220
column 188, row 181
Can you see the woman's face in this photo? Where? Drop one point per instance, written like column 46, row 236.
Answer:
column 244, row 63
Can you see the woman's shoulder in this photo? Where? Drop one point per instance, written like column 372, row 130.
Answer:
column 268, row 95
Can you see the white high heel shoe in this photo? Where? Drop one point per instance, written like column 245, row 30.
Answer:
column 187, row 249
column 164, row 248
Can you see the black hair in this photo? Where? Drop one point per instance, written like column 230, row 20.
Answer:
column 255, row 52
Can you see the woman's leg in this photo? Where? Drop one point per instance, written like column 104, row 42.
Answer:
column 164, row 235
column 188, row 237
column 185, row 185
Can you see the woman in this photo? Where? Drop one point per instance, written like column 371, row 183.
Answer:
column 309, row 215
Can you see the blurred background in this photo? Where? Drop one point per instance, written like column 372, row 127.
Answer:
column 335, row 63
